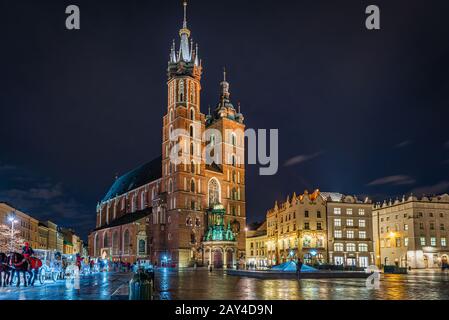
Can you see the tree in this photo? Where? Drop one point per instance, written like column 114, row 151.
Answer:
column 5, row 239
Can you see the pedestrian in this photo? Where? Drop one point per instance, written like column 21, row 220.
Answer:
column 298, row 268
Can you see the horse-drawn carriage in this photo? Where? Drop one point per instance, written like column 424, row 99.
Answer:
column 43, row 266
column 51, row 269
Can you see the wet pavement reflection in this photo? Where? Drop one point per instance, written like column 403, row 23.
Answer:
column 203, row 285
column 98, row 286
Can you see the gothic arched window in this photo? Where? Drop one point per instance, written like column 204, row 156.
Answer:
column 192, row 167
column 181, row 91
column 115, row 242
column 97, row 245
column 233, row 139
column 192, row 185
column 192, row 93
column 106, row 240
column 192, row 114
column 192, row 149
column 133, row 203
column 142, row 200
column 142, row 246
column 213, row 189
column 170, row 186
column 126, row 242
column 192, row 132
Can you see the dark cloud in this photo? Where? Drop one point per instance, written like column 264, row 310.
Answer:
column 301, row 158
column 403, row 144
column 396, row 180
column 438, row 188
column 6, row 167
column 45, row 200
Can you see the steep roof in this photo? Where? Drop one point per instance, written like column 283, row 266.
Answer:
column 128, row 218
column 335, row 196
column 135, row 178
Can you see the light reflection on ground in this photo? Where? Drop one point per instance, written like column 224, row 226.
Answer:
column 202, row 285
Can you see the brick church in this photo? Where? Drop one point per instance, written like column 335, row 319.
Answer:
column 185, row 211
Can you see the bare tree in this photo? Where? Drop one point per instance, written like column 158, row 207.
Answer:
column 5, row 239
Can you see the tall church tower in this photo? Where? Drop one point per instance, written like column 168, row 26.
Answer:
column 191, row 186
column 183, row 181
column 227, row 122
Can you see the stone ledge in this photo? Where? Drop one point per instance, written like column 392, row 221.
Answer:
column 304, row 275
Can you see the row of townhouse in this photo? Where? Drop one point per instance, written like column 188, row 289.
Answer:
column 333, row 228
column 43, row 235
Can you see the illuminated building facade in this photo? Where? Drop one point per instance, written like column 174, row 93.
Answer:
column 44, row 235
column 297, row 229
column 256, row 247
column 412, row 232
column 350, row 230
column 27, row 225
column 320, row 228
column 162, row 211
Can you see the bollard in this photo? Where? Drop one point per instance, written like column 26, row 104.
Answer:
column 140, row 287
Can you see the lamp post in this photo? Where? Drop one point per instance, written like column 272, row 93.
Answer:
column 13, row 220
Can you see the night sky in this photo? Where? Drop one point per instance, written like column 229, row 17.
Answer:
column 358, row 112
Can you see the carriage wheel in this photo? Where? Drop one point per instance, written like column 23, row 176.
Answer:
column 12, row 279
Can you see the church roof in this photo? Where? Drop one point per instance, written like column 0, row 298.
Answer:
column 127, row 219
column 135, row 178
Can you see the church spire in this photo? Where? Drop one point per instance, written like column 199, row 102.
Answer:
column 185, row 53
column 184, row 58
column 224, row 87
column 184, row 24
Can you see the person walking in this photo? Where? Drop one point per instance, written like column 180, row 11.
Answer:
column 298, row 268
column 27, row 252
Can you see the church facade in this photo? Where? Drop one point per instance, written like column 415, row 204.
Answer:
column 186, row 207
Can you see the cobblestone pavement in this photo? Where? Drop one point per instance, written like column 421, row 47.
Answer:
column 98, row 286
column 201, row 285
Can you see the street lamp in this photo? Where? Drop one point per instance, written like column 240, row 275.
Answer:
column 13, row 220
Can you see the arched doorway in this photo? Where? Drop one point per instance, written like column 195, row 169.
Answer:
column 444, row 261
column 426, row 262
column 229, row 258
column 218, row 258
